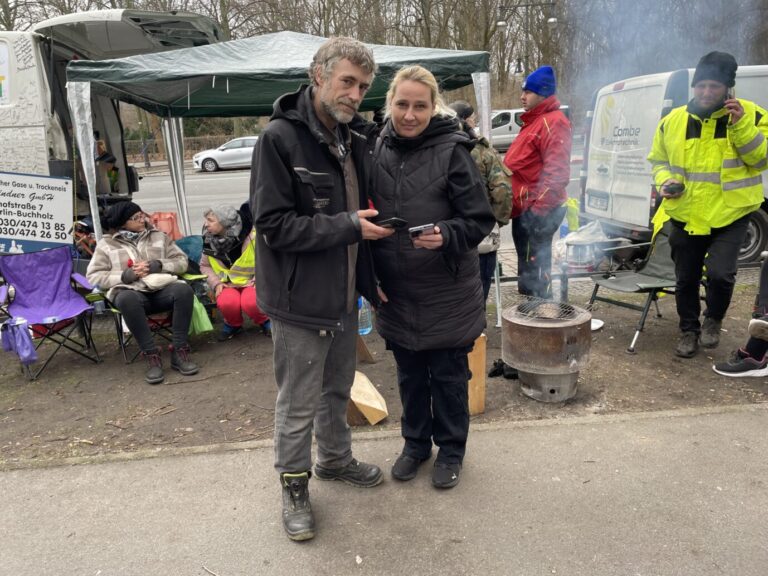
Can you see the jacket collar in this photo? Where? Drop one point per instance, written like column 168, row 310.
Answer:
column 549, row 104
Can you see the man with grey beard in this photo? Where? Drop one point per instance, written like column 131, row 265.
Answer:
column 308, row 196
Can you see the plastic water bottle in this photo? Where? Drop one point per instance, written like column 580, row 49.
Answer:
column 99, row 307
column 365, row 316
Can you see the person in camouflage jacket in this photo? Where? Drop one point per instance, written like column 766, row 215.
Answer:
column 498, row 185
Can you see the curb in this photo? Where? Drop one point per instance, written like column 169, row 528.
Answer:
column 378, row 435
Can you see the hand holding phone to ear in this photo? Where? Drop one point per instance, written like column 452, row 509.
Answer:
column 734, row 107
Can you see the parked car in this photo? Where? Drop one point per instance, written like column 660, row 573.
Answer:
column 236, row 153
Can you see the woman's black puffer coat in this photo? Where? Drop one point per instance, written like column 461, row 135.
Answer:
column 435, row 296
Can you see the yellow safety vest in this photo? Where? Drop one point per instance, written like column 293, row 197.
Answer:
column 722, row 176
column 244, row 268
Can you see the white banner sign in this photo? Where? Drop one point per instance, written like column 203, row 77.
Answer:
column 35, row 212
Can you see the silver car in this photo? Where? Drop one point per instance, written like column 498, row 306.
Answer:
column 236, row 153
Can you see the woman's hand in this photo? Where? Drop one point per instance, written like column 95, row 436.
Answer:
column 141, row 269
column 218, row 290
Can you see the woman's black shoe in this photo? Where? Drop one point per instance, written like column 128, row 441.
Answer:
column 445, row 475
column 406, row 467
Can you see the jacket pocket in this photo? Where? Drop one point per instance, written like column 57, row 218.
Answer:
column 315, row 188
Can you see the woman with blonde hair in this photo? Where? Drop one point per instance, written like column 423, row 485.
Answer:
column 430, row 280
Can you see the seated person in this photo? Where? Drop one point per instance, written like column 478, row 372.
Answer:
column 136, row 267
column 229, row 262
column 751, row 361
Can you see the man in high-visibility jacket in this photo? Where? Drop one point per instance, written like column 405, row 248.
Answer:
column 707, row 161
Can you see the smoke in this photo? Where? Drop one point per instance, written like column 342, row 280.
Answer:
column 604, row 41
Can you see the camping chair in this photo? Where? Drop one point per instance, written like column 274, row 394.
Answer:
column 45, row 298
column 655, row 275
column 159, row 324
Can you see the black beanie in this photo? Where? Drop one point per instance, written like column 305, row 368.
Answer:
column 119, row 213
column 718, row 66
column 462, row 108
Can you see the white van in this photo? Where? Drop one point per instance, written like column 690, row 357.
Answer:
column 504, row 128
column 616, row 183
column 38, row 166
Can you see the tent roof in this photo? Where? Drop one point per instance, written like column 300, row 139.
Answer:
column 244, row 77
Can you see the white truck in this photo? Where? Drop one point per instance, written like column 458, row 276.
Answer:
column 616, row 184
column 42, row 190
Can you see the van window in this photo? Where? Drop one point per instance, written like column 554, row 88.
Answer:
column 501, row 120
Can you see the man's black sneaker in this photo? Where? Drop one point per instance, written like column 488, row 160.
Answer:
column 688, row 345
column 445, row 475
column 406, row 467
column 710, row 333
column 355, row 474
column 743, row 367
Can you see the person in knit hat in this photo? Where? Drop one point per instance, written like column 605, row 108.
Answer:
column 540, row 161
column 707, row 158
column 496, row 177
column 229, row 263
column 137, row 268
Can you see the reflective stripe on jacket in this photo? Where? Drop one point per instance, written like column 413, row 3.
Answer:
column 719, row 164
column 244, row 268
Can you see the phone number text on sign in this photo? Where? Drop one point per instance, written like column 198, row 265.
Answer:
column 35, row 212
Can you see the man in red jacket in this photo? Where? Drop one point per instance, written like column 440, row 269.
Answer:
column 539, row 159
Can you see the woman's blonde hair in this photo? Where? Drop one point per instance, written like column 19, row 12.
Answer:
column 423, row 76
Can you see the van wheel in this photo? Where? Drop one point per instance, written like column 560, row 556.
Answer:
column 757, row 237
column 209, row 165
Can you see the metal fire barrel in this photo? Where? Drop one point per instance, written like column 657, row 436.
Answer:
column 548, row 342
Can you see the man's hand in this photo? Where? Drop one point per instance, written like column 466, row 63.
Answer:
column 382, row 296
column 369, row 229
column 735, row 109
column 218, row 290
column 664, row 193
column 429, row 241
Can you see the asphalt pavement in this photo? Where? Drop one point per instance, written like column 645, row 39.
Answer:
column 674, row 493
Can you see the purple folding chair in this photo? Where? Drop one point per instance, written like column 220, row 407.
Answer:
column 45, row 298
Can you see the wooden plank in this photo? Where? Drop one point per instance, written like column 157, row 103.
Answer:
column 363, row 354
column 477, row 382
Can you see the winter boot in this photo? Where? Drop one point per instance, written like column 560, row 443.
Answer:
column 687, row 345
column 154, row 373
column 180, row 360
column 710, row 333
column 298, row 521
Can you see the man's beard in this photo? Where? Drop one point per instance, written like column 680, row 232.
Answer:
column 335, row 112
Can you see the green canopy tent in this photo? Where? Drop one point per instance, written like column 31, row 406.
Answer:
column 244, row 77
column 235, row 78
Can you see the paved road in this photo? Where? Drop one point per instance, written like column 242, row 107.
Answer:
column 665, row 494
column 203, row 191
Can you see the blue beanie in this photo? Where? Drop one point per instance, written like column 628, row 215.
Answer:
column 541, row 81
